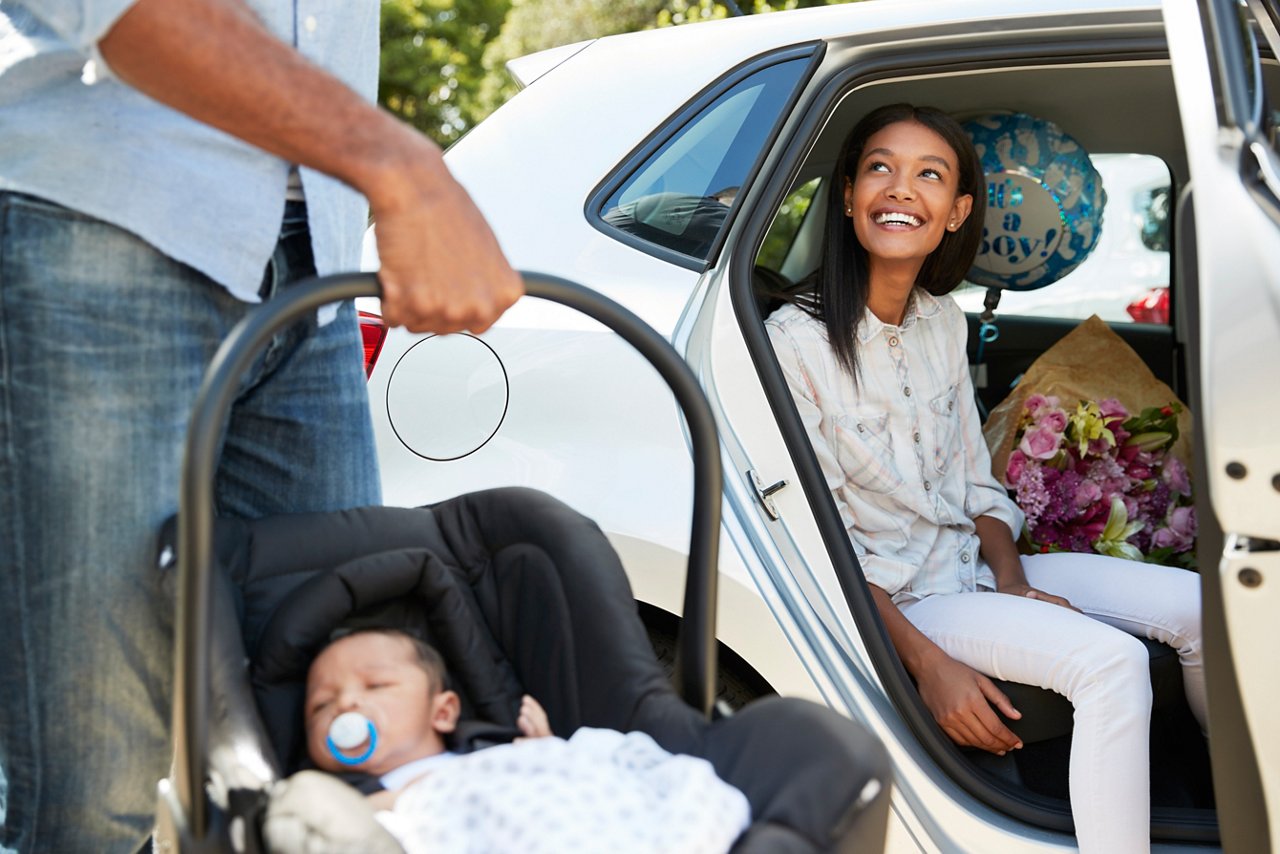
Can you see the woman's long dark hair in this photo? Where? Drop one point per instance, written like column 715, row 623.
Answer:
column 837, row 291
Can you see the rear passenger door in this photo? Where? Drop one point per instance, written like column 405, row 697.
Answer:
column 1228, row 85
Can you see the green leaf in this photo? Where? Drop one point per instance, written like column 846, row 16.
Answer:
column 1117, row 531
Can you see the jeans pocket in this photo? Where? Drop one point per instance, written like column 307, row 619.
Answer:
column 864, row 447
column 946, row 427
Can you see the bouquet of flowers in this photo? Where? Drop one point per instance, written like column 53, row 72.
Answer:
column 1093, row 478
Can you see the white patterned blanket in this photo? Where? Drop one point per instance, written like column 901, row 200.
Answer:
column 598, row 791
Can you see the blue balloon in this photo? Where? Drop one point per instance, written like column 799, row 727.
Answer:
column 1044, row 202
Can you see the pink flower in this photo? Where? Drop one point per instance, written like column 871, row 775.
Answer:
column 1040, row 443
column 1053, row 419
column 1180, row 532
column 1175, row 475
column 1111, row 406
column 1070, row 493
column 1013, row 472
column 1088, row 494
column 1099, row 448
column 1036, row 402
column 1137, row 471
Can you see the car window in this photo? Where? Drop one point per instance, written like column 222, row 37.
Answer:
column 781, row 238
column 679, row 197
column 1126, row 277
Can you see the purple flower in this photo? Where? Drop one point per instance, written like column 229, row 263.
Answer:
column 1088, row 494
column 1040, row 443
column 1181, row 530
column 1111, row 406
column 1031, row 495
column 1174, row 474
column 1137, row 471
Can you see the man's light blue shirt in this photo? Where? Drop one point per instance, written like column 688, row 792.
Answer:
column 72, row 134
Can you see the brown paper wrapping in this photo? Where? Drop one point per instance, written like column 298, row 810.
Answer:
column 1090, row 363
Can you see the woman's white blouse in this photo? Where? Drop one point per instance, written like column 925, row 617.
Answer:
column 902, row 451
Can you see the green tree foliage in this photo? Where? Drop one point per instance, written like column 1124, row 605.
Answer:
column 675, row 12
column 432, row 52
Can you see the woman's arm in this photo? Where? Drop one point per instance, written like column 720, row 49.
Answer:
column 959, row 697
column 1001, row 554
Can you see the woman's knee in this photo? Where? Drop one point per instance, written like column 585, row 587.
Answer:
column 1122, row 666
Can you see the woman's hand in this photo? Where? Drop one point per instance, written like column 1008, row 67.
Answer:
column 532, row 720
column 961, row 698
column 1024, row 589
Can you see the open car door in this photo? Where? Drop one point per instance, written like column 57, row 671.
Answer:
column 1228, row 86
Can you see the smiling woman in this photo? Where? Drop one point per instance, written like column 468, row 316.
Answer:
column 885, row 396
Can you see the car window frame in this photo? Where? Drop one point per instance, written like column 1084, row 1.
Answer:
column 1239, row 110
column 676, row 123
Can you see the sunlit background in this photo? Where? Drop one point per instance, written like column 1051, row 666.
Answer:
column 443, row 60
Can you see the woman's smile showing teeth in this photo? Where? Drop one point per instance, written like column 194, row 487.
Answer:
column 898, row 218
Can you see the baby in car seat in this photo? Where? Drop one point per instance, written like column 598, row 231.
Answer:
column 377, row 703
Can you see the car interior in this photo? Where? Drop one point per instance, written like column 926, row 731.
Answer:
column 1110, row 105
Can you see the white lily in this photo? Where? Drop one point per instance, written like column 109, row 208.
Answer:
column 1115, row 535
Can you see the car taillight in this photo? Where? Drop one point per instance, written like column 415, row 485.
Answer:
column 1151, row 307
column 373, row 331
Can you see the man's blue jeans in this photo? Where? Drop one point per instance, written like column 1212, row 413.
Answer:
column 103, row 342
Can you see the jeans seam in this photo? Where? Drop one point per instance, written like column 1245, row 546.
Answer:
column 1149, row 623
column 8, row 462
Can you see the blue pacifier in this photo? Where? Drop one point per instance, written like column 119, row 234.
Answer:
column 348, row 731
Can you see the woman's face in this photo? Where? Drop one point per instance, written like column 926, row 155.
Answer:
column 903, row 196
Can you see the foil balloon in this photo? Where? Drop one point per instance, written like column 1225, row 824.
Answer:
column 1044, row 202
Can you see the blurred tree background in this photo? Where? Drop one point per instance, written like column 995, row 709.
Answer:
column 443, row 60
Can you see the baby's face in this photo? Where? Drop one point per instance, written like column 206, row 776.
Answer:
column 380, row 677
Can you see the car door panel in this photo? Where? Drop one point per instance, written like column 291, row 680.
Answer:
column 1221, row 89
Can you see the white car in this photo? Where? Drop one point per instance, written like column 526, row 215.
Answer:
column 664, row 168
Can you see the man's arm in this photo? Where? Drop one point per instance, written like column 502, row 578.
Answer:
column 442, row 268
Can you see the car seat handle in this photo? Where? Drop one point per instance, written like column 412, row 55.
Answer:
column 184, row 797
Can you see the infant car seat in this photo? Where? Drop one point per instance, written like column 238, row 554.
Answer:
column 520, row 593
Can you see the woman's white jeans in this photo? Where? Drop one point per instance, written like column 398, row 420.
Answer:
column 1094, row 661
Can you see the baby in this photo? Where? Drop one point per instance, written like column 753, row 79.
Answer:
column 385, row 690
column 376, row 703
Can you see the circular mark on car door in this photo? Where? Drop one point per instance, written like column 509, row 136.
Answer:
column 447, row 396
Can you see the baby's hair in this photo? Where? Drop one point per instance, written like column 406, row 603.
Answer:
column 430, row 660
